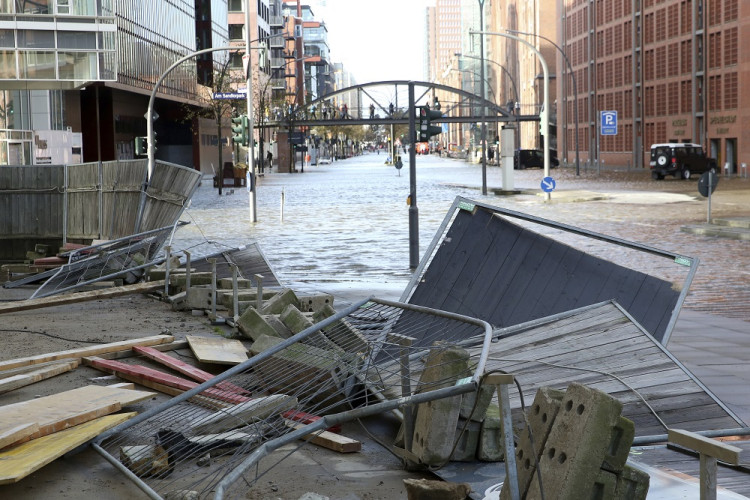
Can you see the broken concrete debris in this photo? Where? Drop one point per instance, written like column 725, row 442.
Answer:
column 427, row 489
column 581, row 444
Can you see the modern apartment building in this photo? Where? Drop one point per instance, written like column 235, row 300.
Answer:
column 88, row 68
column 672, row 69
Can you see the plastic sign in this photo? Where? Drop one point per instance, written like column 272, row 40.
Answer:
column 608, row 123
column 548, row 184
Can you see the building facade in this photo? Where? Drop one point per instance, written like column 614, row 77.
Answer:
column 672, row 69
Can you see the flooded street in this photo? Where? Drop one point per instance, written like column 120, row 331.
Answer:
column 346, row 224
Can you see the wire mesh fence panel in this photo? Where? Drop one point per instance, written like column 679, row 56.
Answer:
column 124, row 258
column 365, row 360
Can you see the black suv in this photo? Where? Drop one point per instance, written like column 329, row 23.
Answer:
column 528, row 158
column 679, row 159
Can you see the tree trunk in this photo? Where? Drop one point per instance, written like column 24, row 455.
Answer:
column 221, row 155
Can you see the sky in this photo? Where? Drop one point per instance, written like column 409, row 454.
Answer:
column 376, row 39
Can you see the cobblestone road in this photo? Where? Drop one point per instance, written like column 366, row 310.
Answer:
column 348, row 222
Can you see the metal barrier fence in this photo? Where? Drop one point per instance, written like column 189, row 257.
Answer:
column 365, row 360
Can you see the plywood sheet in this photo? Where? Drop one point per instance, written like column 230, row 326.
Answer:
column 217, row 350
column 20, row 461
column 60, row 411
column 22, row 380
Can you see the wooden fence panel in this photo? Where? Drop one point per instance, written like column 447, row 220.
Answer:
column 170, row 188
column 121, row 195
column 83, row 201
column 31, row 198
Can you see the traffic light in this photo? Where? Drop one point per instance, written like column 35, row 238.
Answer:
column 141, row 146
column 426, row 130
column 240, row 132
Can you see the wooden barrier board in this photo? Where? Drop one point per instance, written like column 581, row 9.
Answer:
column 217, row 350
column 20, row 461
column 22, row 380
column 60, row 411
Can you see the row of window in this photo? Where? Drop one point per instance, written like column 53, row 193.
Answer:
column 61, row 7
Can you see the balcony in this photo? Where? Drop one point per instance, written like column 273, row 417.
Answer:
column 278, row 83
column 276, row 21
column 277, row 43
column 277, row 62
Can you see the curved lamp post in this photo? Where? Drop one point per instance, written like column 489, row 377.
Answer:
column 575, row 88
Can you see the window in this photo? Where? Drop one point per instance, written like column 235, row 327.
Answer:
column 730, row 91
column 236, row 31
column 730, row 47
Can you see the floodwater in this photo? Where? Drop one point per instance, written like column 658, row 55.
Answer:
column 346, row 224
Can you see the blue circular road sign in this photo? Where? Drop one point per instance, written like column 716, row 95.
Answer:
column 548, row 184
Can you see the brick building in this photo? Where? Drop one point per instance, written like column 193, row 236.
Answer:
column 672, row 69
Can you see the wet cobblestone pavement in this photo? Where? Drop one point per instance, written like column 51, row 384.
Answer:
column 348, row 222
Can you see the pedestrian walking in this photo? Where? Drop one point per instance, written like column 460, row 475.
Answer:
column 344, row 111
column 324, row 110
column 372, row 111
column 269, row 160
column 313, row 113
column 390, row 109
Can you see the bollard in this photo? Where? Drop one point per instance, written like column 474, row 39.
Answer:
column 187, row 270
column 728, row 170
column 168, row 254
column 213, row 289
column 282, row 204
column 259, row 292
column 235, row 298
column 743, row 168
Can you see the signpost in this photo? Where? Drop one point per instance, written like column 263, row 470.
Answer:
column 706, row 185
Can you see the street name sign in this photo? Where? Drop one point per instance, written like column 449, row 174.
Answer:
column 230, row 95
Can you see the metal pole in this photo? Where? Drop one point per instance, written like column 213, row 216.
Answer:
column 250, row 147
column 413, row 210
column 484, row 98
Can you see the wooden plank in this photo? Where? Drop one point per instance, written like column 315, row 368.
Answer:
column 74, row 298
column 60, row 411
column 172, row 346
column 217, row 350
column 20, row 461
column 21, row 432
column 329, row 440
column 186, row 369
column 11, row 383
column 12, row 372
column 85, row 351
column 139, row 373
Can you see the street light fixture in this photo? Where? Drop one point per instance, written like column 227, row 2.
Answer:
column 484, row 97
column 575, row 88
column 544, row 114
column 512, row 81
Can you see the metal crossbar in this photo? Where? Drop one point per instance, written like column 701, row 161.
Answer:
column 365, row 360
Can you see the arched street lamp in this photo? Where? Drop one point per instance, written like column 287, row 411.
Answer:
column 575, row 88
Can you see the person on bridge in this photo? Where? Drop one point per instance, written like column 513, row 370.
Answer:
column 344, row 111
column 372, row 111
column 324, row 110
column 390, row 109
column 313, row 112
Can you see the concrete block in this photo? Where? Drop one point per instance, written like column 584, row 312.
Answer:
column 474, row 404
column 200, row 278
column 252, row 325
column 306, row 371
column 278, row 325
column 315, row 302
column 178, row 301
column 430, row 489
column 279, row 302
column 435, row 422
column 541, row 416
column 294, row 319
column 632, row 484
column 199, row 297
column 242, row 283
column 323, row 313
column 145, row 460
column 490, row 447
column 620, row 441
column 348, row 338
column 578, row 442
column 467, row 436
column 160, row 273
column 603, row 487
